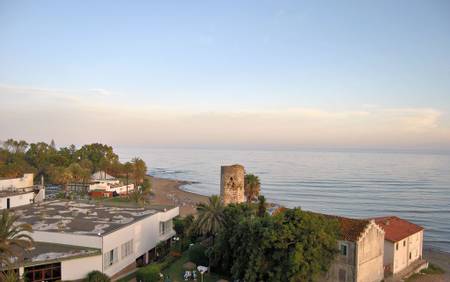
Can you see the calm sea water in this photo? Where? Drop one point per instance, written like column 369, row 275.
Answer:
column 355, row 184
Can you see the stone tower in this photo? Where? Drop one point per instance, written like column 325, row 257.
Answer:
column 232, row 184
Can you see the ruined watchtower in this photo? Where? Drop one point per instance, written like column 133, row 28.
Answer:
column 232, row 184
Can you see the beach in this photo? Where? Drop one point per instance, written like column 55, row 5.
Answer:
column 170, row 192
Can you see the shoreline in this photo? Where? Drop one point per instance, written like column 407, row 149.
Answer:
column 170, row 192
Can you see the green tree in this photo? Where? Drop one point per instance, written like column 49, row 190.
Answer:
column 138, row 197
column 210, row 217
column 292, row 246
column 139, row 171
column 262, row 206
column 62, row 176
column 12, row 235
column 252, row 187
column 100, row 155
column 127, row 169
column 97, row 276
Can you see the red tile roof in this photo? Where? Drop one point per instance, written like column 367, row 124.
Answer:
column 396, row 228
column 351, row 228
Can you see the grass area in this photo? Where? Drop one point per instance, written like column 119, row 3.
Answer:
column 431, row 270
column 128, row 277
column 176, row 271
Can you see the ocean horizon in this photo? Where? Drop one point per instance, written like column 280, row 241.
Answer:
column 360, row 184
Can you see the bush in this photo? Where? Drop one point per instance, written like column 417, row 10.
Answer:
column 97, row 276
column 149, row 273
column 197, row 254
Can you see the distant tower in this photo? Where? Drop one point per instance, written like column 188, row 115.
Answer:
column 232, row 184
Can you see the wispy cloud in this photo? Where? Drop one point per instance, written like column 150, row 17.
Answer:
column 100, row 91
column 76, row 118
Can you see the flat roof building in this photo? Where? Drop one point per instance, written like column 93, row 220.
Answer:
column 101, row 237
column 16, row 192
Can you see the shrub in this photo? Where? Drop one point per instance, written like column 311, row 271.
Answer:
column 97, row 276
column 149, row 273
column 197, row 254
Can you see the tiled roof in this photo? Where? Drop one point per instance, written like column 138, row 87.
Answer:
column 351, row 228
column 396, row 228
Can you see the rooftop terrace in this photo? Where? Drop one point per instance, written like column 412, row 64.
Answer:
column 81, row 218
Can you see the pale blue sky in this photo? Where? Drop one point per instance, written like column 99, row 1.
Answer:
column 228, row 56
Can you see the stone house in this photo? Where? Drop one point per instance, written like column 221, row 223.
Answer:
column 360, row 257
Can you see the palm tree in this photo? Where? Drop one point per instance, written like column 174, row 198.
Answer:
column 138, row 197
column 13, row 235
column 210, row 218
column 252, row 187
column 261, row 206
column 139, row 170
column 9, row 276
column 128, row 168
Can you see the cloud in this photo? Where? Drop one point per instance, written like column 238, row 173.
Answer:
column 77, row 118
column 100, row 91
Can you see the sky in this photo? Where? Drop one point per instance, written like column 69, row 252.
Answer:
column 234, row 74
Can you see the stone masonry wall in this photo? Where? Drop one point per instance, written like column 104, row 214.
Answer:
column 232, row 184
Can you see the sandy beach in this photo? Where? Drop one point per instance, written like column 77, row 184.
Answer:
column 168, row 192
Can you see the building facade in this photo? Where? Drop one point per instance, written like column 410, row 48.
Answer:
column 16, row 192
column 360, row 257
column 110, row 239
column 403, row 244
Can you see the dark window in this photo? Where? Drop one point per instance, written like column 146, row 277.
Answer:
column 404, row 243
column 46, row 272
column 396, row 246
column 410, row 255
column 343, row 250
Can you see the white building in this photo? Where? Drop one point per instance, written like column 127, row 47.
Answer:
column 95, row 237
column 15, row 192
column 101, row 181
column 403, row 244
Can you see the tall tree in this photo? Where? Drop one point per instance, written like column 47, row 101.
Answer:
column 292, row 246
column 12, row 235
column 210, row 219
column 139, row 171
column 62, row 176
column 252, row 187
column 262, row 206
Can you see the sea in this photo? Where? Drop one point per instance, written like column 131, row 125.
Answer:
column 414, row 186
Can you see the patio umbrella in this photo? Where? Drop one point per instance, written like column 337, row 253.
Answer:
column 189, row 265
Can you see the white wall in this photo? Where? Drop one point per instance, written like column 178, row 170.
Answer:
column 68, row 239
column 145, row 235
column 414, row 245
column 389, row 254
column 370, row 253
column 22, row 182
column 17, row 200
column 77, row 269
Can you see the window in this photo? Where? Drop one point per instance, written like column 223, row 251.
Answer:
column 110, row 258
column 396, row 246
column 165, row 227
column 343, row 249
column 410, row 255
column 127, row 249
